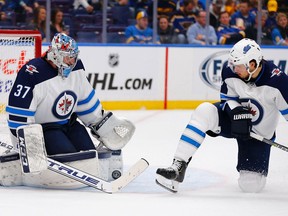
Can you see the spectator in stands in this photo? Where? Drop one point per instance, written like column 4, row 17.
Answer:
column 164, row 7
column 121, row 13
column 253, row 6
column 196, row 33
column 243, row 18
column 230, row 6
column 227, row 34
column 252, row 31
column 2, row 3
column 88, row 6
column 272, row 8
column 183, row 18
column 140, row 33
column 57, row 23
column 166, row 32
column 22, row 9
column 142, row 5
column 39, row 21
column 280, row 32
column 215, row 9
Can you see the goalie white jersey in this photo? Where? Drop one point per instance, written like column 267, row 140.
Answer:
column 40, row 95
column 261, row 96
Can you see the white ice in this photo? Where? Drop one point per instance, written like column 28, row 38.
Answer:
column 209, row 189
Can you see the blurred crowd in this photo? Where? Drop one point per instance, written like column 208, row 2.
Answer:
column 217, row 22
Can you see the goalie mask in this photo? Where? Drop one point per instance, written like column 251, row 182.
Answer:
column 243, row 52
column 63, row 52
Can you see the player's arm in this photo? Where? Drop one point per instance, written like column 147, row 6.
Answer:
column 112, row 131
column 19, row 109
column 239, row 115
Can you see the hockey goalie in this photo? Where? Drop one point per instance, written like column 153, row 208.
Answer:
column 51, row 109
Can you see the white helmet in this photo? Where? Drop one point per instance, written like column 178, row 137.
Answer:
column 243, row 52
column 61, row 46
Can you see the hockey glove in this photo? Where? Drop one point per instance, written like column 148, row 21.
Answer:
column 240, row 122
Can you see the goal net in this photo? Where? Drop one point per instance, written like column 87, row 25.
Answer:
column 16, row 48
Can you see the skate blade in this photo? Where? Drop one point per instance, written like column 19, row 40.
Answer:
column 167, row 184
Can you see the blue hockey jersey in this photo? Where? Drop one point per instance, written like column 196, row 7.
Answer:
column 40, row 95
column 266, row 96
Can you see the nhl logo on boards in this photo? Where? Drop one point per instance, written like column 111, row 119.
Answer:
column 113, row 60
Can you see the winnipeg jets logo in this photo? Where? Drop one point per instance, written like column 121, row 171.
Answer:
column 255, row 109
column 31, row 69
column 276, row 72
column 64, row 104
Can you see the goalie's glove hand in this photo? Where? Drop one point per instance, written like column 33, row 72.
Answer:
column 241, row 122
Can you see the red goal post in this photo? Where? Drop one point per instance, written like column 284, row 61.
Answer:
column 16, row 48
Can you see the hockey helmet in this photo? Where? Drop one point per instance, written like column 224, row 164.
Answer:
column 63, row 46
column 245, row 51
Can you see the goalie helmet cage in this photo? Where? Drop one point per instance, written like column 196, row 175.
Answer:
column 16, row 48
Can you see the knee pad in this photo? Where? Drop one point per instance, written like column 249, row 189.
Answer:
column 251, row 182
column 206, row 115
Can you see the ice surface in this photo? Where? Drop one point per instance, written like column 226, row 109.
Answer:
column 209, row 189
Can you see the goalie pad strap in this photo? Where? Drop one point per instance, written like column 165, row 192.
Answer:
column 69, row 157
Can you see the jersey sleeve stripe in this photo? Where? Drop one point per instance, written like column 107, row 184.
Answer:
column 20, row 112
column 226, row 97
column 14, row 125
column 284, row 112
column 91, row 95
column 89, row 110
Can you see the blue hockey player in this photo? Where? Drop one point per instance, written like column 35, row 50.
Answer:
column 253, row 94
column 53, row 91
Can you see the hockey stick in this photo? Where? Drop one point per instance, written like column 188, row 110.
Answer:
column 91, row 180
column 270, row 142
column 96, row 182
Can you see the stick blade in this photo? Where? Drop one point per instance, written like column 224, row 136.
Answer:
column 130, row 175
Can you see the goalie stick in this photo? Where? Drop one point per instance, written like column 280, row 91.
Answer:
column 91, row 180
column 267, row 141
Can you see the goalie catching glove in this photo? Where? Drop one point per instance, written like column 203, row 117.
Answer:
column 240, row 122
column 113, row 132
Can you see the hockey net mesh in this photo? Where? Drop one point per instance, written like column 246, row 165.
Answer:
column 16, row 48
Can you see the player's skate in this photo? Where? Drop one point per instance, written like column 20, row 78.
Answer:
column 170, row 177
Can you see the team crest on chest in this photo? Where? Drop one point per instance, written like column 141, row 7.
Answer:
column 64, row 104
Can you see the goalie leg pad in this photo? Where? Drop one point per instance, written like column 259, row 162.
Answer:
column 113, row 132
column 251, row 182
column 86, row 161
column 10, row 170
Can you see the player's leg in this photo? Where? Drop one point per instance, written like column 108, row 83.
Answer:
column 204, row 118
column 80, row 137
column 253, row 163
column 56, row 141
